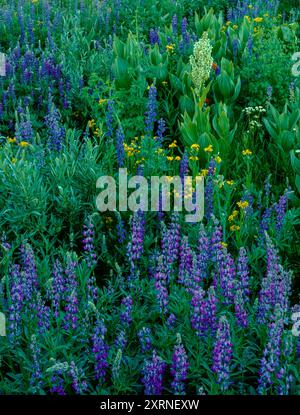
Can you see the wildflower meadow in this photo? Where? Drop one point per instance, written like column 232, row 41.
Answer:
column 104, row 288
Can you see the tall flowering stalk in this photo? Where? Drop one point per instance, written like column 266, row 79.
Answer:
column 203, row 311
column 30, row 274
column 71, row 299
column 275, row 287
column 151, row 113
column 222, row 354
column 145, row 338
column 201, row 62
column 126, row 311
column 162, row 278
column 179, row 369
column 185, row 272
column 15, row 304
column 88, row 244
column 77, row 375
column 56, row 132
column 153, row 372
column 100, row 351
column 36, row 380
column 270, row 363
column 57, row 288
column 171, row 240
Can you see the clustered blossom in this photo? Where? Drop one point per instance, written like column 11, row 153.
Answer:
column 136, row 245
column 153, row 372
column 270, row 363
column 100, row 351
column 56, row 132
column 36, row 380
column 201, row 62
column 71, row 300
column 161, row 278
column 126, row 311
column 77, row 375
column 16, row 303
column 121, row 340
column 203, row 311
column 179, row 369
column 145, row 339
column 88, row 244
column 185, row 263
column 151, row 113
column 171, row 240
column 222, row 354
column 275, row 287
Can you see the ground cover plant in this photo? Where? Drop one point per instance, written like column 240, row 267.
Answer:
column 144, row 302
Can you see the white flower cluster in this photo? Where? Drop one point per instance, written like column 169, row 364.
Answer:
column 254, row 114
column 253, row 110
column 201, row 62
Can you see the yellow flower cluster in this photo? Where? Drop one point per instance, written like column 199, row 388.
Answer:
column 195, row 147
column 173, row 145
column 201, row 62
column 209, row 149
column 233, row 216
column 11, row 140
column 170, row 48
column 247, row 152
column 91, row 123
column 243, row 204
column 23, row 144
column 235, row 228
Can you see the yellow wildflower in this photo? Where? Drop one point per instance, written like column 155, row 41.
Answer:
column 194, row 158
column 170, row 158
column 11, row 140
column 235, row 228
column 177, row 158
column 224, row 244
column 195, row 147
column 228, row 23
column 248, row 18
column 91, row 123
column 170, row 48
column 173, row 145
column 165, row 83
column 243, row 204
column 101, row 101
column 23, row 144
column 233, row 216
column 247, row 152
column 204, row 172
column 230, row 182
column 235, row 26
column 209, row 149
column 218, row 159
column 258, row 19
column 14, row 160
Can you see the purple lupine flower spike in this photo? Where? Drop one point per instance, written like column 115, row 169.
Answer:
column 100, row 351
column 151, row 113
column 179, row 369
column 77, row 375
column 36, row 380
column 222, row 354
column 126, row 311
column 145, row 339
column 15, row 304
column 153, row 372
